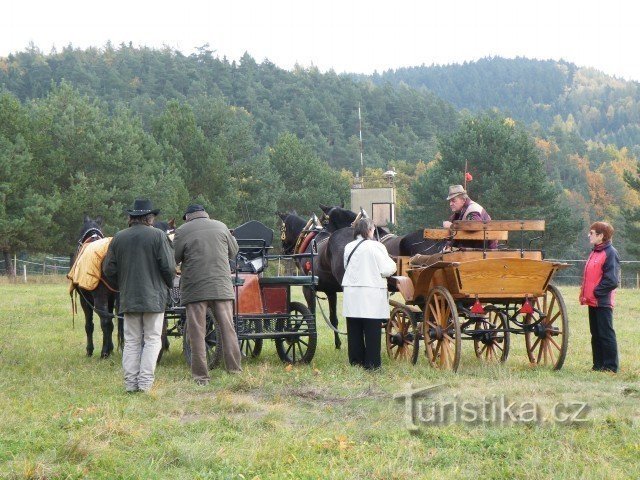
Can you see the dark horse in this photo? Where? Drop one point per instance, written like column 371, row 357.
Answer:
column 292, row 226
column 102, row 299
column 335, row 218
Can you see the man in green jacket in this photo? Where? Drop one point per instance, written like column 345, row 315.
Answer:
column 204, row 247
column 140, row 262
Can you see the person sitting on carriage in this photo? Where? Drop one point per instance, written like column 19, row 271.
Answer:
column 464, row 208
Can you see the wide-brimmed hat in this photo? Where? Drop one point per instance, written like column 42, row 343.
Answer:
column 455, row 190
column 192, row 209
column 142, row 206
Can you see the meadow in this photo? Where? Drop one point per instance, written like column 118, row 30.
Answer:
column 64, row 415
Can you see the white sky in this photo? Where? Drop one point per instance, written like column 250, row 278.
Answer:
column 354, row 36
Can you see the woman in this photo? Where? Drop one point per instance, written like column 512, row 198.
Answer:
column 600, row 279
column 365, row 300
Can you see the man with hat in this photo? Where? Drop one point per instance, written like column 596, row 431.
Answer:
column 464, row 208
column 205, row 246
column 140, row 263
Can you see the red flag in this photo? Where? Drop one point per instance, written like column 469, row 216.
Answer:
column 468, row 177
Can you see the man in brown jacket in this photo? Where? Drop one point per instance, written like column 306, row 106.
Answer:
column 204, row 247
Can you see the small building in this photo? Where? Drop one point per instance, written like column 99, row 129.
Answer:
column 379, row 203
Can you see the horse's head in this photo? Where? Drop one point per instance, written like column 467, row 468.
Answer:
column 91, row 229
column 335, row 218
column 292, row 225
column 167, row 227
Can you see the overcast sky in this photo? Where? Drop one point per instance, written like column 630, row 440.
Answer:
column 354, row 36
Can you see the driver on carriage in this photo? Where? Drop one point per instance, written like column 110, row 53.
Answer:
column 464, row 208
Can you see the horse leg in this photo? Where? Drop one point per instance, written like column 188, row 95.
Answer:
column 332, row 298
column 88, row 323
column 106, row 321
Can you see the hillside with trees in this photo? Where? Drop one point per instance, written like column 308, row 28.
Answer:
column 540, row 93
column 87, row 131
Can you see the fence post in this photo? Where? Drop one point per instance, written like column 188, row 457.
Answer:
column 637, row 280
column 44, row 263
column 24, row 271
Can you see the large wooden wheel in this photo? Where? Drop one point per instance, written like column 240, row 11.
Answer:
column 400, row 332
column 492, row 345
column 441, row 330
column 547, row 336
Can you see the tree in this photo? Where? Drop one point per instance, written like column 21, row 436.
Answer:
column 25, row 214
column 308, row 181
column 509, row 179
column 632, row 227
column 202, row 163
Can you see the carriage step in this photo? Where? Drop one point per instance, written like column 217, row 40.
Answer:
column 290, row 280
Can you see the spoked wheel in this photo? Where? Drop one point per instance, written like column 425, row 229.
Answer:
column 493, row 345
column 213, row 344
column 548, row 339
column 300, row 348
column 401, row 331
column 163, row 338
column 252, row 347
column 441, row 330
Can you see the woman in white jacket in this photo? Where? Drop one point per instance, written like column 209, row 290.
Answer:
column 365, row 300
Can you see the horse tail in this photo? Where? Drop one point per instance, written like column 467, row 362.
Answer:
column 74, row 307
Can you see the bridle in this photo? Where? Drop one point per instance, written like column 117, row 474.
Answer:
column 90, row 235
column 288, row 250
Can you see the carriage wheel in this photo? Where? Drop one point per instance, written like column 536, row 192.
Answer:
column 252, row 347
column 297, row 349
column 492, row 346
column 212, row 343
column 401, row 331
column 548, row 341
column 441, row 330
column 164, row 339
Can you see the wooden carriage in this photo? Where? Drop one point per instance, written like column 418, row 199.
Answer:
column 479, row 294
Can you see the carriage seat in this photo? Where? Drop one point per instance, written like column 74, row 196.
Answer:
column 254, row 238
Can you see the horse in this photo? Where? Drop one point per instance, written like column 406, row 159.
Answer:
column 102, row 299
column 167, row 227
column 413, row 243
column 292, row 226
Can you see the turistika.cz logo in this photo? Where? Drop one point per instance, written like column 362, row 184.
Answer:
column 424, row 408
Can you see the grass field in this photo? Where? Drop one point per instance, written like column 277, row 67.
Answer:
column 63, row 415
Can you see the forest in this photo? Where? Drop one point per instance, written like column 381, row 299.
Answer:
column 85, row 131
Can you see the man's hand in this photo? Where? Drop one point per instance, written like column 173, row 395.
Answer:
column 447, row 224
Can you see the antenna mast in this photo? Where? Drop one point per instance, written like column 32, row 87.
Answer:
column 361, row 148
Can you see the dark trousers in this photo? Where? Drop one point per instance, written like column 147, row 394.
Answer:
column 363, row 338
column 603, row 339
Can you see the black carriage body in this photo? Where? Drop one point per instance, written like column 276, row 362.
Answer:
column 263, row 308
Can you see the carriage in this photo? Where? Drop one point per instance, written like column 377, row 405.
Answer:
column 263, row 307
column 479, row 295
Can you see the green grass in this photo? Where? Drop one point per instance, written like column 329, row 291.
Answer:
column 63, row 415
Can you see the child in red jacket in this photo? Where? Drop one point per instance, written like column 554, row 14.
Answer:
column 601, row 278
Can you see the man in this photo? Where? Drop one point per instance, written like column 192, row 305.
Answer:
column 204, row 247
column 140, row 262
column 464, row 208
